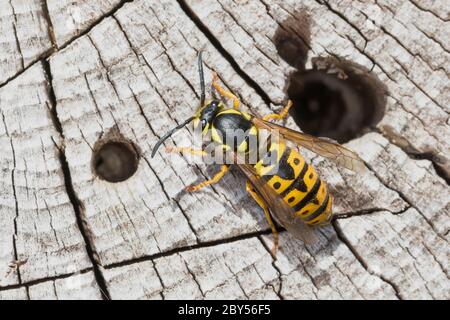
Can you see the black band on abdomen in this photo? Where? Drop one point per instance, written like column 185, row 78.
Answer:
column 297, row 184
column 309, row 196
column 320, row 210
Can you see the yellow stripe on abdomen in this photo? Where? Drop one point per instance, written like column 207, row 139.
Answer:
column 308, row 195
column 298, row 184
column 325, row 216
column 318, row 209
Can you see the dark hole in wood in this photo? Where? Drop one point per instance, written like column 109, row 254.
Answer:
column 336, row 99
column 115, row 161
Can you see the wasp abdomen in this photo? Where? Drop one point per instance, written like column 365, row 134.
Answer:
column 297, row 183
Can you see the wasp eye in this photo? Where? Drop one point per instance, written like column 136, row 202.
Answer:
column 203, row 123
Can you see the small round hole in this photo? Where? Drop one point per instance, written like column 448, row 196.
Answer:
column 339, row 100
column 115, row 161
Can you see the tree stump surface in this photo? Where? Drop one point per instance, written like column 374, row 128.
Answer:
column 77, row 75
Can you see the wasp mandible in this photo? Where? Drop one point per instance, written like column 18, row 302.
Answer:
column 289, row 190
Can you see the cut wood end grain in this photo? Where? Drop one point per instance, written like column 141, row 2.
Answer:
column 129, row 68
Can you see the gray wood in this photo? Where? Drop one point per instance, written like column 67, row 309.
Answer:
column 119, row 69
column 25, row 36
column 38, row 223
column 75, row 287
column 71, row 18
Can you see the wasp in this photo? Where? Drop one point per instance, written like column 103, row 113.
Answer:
column 287, row 189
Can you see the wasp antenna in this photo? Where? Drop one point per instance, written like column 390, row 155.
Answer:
column 168, row 134
column 202, row 79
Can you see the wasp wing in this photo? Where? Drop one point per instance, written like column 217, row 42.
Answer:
column 322, row 146
column 280, row 210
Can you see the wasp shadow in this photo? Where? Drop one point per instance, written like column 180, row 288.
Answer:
column 231, row 191
column 317, row 261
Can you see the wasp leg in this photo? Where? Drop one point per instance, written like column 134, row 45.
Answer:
column 283, row 114
column 186, row 150
column 263, row 205
column 219, row 175
column 223, row 92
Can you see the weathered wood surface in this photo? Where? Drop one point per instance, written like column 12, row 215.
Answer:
column 38, row 220
column 128, row 67
column 25, row 36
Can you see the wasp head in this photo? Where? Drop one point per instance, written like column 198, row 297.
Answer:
column 206, row 115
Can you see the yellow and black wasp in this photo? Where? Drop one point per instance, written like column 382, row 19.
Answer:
column 290, row 190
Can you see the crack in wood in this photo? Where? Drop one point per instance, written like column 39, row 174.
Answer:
column 341, row 236
column 405, row 199
column 205, row 244
column 277, row 269
column 235, row 19
column 187, row 220
column 160, row 280
column 19, row 49
column 76, row 204
column 192, row 274
column 99, row 20
column 51, row 33
column 29, row 284
column 13, row 184
column 418, row 6
column 343, row 17
column 55, row 48
column 216, row 43
column 406, row 249
column 82, row 225
column 397, row 40
column 347, row 215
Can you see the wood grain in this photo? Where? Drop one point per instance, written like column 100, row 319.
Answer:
column 76, row 74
